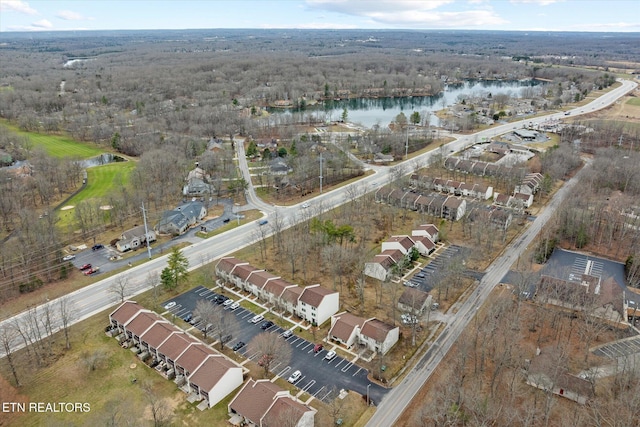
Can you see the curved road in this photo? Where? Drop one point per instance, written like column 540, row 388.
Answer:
column 96, row 298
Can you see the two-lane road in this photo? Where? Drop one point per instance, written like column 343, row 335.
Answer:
column 95, row 298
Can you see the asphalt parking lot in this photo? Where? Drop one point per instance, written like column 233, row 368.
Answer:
column 319, row 376
column 433, row 272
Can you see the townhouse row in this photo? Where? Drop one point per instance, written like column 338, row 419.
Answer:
column 203, row 373
column 313, row 303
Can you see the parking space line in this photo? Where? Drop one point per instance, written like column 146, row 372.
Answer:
column 294, row 341
column 285, row 370
column 309, row 384
column 316, row 393
column 340, row 363
column 360, row 369
column 347, row 367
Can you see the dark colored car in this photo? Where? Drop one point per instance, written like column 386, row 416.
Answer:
column 221, row 299
column 226, row 220
column 85, row 267
column 238, row 346
column 266, row 325
column 188, row 318
column 98, row 246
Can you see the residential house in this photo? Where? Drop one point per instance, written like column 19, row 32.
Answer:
column 345, row 328
column 134, row 238
column 273, row 291
column 197, row 183
column 501, row 199
column 256, row 282
column 279, row 166
column 499, row 147
column 379, row 336
column 382, row 158
column 262, row 403
column 428, row 230
column 215, row 379
column 179, row 220
column 401, row 243
column 226, row 266
column 414, row 301
column 454, row 208
column 317, row 304
column 424, row 245
column 479, row 168
column 382, row 265
column 241, row 275
column 451, row 162
column 522, row 200
column 545, row 373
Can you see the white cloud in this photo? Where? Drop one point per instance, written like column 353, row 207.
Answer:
column 42, row 24
column 538, row 2
column 411, row 13
column 366, row 8
column 17, row 6
column 69, row 15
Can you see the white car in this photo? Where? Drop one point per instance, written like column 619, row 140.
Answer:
column 330, row 355
column 305, row 205
column 234, row 306
column 295, row 377
column 68, row 257
column 170, row 305
column 257, row 318
column 228, row 302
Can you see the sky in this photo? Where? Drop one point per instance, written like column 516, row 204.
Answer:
column 526, row 15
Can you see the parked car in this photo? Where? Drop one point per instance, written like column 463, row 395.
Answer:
column 97, row 246
column 228, row 302
column 295, row 377
column 317, row 348
column 234, row 306
column 221, row 299
column 330, row 355
column 226, row 220
column 85, row 267
column 194, row 320
column 257, row 318
column 305, row 205
column 90, row 271
column 262, row 222
column 266, row 325
column 238, row 346
column 188, row 318
column 170, row 305
column 68, row 257
column 286, row 334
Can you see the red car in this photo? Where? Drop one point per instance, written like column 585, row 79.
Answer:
column 85, row 267
column 90, row 271
column 317, row 348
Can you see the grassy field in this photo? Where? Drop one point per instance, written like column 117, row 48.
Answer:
column 634, row 101
column 57, row 145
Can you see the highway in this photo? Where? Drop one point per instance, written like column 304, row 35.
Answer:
column 96, row 298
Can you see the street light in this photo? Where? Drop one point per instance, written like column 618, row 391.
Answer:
column 368, row 385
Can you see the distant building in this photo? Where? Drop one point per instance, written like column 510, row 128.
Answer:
column 178, row 220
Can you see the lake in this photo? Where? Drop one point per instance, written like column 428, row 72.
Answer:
column 382, row 111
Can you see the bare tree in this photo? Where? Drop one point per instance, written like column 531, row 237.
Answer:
column 224, row 324
column 153, row 281
column 206, row 311
column 270, row 350
column 120, row 287
column 160, row 411
column 67, row 314
column 8, row 336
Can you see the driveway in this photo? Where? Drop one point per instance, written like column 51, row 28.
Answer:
column 319, row 377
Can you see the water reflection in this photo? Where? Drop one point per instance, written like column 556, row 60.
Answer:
column 381, row 111
column 102, row 159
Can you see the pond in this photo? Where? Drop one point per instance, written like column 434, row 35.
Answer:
column 382, row 111
column 102, row 159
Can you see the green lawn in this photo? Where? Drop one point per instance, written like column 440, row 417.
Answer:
column 57, row 145
column 634, row 101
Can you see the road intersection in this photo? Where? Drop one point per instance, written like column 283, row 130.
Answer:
column 97, row 297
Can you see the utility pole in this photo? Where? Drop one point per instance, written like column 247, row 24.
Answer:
column 146, row 230
column 406, row 145
column 320, row 173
